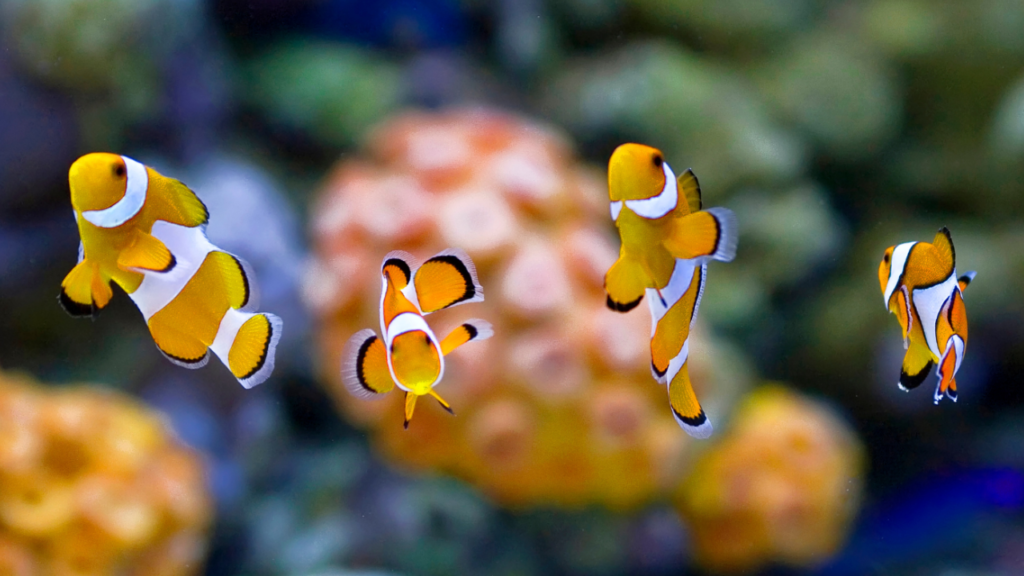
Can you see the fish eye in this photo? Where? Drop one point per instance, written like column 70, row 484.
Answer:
column 885, row 258
column 657, row 160
column 119, row 170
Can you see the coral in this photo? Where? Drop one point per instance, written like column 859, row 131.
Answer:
column 92, row 483
column 782, row 485
column 559, row 407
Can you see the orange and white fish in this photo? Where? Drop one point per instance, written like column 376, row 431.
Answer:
column 410, row 355
column 920, row 286
column 147, row 233
column 667, row 240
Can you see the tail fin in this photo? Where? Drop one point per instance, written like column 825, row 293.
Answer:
column 965, row 280
column 83, row 291
column 711, row 233
column 250, row 354
column 685, row 407
column 624, row 284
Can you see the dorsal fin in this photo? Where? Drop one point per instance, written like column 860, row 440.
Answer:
column 690, row 188
column 944, row 245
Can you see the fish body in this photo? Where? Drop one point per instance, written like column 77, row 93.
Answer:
column 667, row 239
column 408, row 354
column 920, row 286
column 147, row 233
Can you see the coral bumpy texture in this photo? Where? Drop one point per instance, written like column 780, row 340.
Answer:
column 782, row 485
column 559, row 407
column 93, row 484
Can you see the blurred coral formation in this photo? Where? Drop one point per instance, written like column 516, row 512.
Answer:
column 783, row 484
column 560, row 402
column 94, row 484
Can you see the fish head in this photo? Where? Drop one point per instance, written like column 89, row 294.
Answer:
column 416, row 361
column 98, row 181
column 635, row 172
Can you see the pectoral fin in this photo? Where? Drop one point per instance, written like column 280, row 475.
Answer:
column 466, row 332
column 709, row 233
column 147, row 253
column 364, row 366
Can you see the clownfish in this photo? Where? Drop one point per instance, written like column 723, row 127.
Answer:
column 408, row 354
column 920, row 286
column 147, row 233
column 667, row 240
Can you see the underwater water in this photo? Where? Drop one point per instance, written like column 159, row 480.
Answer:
column 321, row 135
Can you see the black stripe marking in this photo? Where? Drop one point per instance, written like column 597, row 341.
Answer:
column 463, row 271
column 911, row 381
column 695, row 421
column 266, row 348
column 696, row 299
column 624, row 307
column 401, row 265
column 471, row 330
column 76, row 309
column 718, row 233
column 965, row 279
column 700, row 200
column 360, row 358
column 245, row 279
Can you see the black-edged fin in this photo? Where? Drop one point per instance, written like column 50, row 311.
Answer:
column 147, row 254
column 468, row 331
column 76, row 309
column 364, row 366
column 265, row 340
column 965, row 280
column 943, row 243
column 689, row 187
column 444, row 404
column 659, row 375
column 447, row 279
column 402, row 264
column 917, row 364
column 191, row 364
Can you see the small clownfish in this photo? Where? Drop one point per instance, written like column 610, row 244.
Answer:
column 920, row 286
column 667, row 240
column 147, row 233
column 410, row 355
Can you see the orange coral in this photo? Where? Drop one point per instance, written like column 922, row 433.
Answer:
column 782, row 485
column 92, row 483
column 559, row 406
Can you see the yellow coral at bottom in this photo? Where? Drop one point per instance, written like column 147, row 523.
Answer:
column 93, row 483
column 782, row 485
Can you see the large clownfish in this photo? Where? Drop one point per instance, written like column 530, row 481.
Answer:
column 920, row 286
column 147, row 233
column 667, row 240
column 409, row 355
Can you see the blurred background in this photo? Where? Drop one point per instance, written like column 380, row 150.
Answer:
column 322, row 134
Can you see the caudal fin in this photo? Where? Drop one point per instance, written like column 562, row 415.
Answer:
column 83, row 291
column 251, row 350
